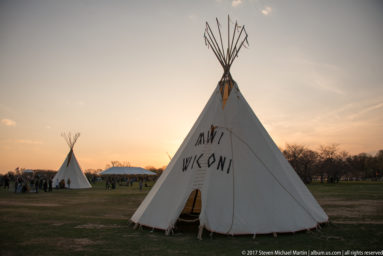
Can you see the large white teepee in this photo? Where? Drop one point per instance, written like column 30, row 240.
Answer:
column 70, row 169
column 228, row 172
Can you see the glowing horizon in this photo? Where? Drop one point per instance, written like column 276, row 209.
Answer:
column 133, row 82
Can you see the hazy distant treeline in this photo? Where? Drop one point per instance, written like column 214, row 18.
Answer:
column 329, row 164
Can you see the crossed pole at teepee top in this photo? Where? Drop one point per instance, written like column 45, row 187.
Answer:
column 227, row 57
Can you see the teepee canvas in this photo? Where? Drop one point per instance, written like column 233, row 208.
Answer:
column 228, row 173
column 70, row 169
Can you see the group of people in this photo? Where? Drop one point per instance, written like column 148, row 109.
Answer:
column 110, row 182
column 38, row 181
column 61, row 184
column 29, row 184
column 33, row 183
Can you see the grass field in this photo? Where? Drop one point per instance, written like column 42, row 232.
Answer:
column 96, row 222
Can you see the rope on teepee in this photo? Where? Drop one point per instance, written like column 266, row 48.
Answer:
column 268, row 169
column 188, row 221
column 233, row 199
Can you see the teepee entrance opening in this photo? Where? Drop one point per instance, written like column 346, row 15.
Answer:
column 193, row 204
column 189, row 218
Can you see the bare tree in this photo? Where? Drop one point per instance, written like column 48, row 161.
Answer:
column 302, row 159
column 332, row 163
column 309, row 162
column 115, row 163
column 379, row 164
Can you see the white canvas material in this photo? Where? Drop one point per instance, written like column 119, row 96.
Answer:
column 246, row 184
column 72, row 171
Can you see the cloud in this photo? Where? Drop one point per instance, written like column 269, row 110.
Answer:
column 192, row 17
column 320, row 75
column 364, row 111
column 235, row 3
column 75, row 102
column 327, row 84
column 8, row 122
column 266, row 11
column 32, row 142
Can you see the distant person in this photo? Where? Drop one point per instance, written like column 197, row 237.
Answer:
column 24, row 188
column 68, row 183
column 50, row 181
column 62, row 183
column 140, row 183
column 16, row 184
column 37, row 185
column 45, row 185
column 19, row 184
column 31, row 182
column 6, row 182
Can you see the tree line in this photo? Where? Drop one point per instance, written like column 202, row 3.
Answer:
column 329, row 164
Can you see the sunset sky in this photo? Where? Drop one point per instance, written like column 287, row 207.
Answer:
column 133, row 76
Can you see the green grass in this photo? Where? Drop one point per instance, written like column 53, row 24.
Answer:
column 349, row 190
column 96, row 222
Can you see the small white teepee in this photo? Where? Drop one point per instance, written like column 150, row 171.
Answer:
column 228, row 173
column 70, row 169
